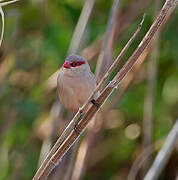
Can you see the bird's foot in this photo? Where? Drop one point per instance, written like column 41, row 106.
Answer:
column 76, row 129
column 95, row 103
column 80, row 110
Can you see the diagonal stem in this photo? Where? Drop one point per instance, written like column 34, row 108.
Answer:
column 164, row 154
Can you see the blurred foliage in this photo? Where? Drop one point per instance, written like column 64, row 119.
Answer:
column 37, row 37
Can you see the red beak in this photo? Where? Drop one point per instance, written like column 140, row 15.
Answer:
column 66, row 65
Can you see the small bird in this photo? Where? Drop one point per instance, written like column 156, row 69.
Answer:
column 75, row 82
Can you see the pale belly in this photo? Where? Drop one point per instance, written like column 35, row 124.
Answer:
column 74, row 91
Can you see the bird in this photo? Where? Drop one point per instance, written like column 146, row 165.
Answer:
column 75, row 83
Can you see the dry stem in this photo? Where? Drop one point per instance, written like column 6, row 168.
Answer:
column 2, row 31
column 2, row 16
column 164, row 154
column 8, row 2
column 105, row 58
column 81, row 26
column 139, row 162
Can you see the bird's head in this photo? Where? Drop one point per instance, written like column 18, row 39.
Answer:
column 76, row 63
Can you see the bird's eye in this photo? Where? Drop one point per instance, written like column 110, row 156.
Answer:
column 74, row 64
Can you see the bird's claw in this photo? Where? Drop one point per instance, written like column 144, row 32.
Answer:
column 76, row 129
column 81, row 110
column 95, row 103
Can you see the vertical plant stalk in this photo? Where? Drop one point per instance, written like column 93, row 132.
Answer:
column 81, row 26
column 106, row 58
column 150, row 96
column 2, row 31
column 164, row 154
column 2, row 17
column 55, row 159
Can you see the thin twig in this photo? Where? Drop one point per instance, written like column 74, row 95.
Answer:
column 164, row 154
column 2, row 17
column 114, row 65
column 81, row 125
column 2, row 31
column 139, row 162
column 136, row 8
column 105, row 57
column 8, row 2
column 126, row 83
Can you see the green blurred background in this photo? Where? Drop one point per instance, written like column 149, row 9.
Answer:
column 37, row 37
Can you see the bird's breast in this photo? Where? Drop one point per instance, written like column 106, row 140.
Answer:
column 74, row 90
